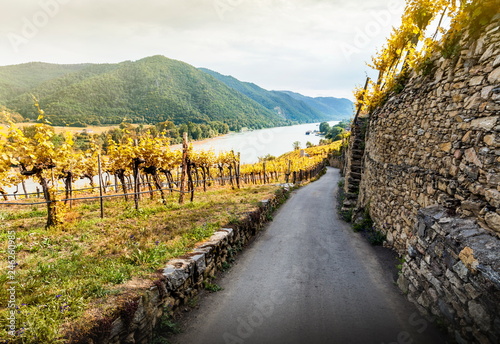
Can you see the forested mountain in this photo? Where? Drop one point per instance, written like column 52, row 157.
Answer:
column 18, row 79
column 293, row 105
column 151, row 90
column 277, row 102
column 327, row 105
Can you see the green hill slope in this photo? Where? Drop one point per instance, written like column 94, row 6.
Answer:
column 151, row 90
column 18, row 79
column 340, row 108
column 278, row 102
column 292, row 105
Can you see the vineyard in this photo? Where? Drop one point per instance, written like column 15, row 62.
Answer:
column 133, row 168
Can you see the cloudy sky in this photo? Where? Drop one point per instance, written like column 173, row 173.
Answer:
column 315, row 47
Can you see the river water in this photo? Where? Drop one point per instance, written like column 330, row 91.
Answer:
column 251, row 144
column 259, row 143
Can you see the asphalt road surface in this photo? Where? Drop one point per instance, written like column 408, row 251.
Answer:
column 308, row 278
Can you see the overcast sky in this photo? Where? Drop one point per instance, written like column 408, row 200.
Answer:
column 315, row 47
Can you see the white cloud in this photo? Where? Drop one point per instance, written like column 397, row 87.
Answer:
column 312, row 45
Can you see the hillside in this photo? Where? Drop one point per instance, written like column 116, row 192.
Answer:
column 151, row 90
column 7, row 115
column 329, row 106
column 295, row 106
column 18, row 79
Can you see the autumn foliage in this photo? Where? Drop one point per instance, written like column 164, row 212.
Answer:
column 137, row 163
column 422, row 34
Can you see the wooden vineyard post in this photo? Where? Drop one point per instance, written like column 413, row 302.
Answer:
column 230, row 171
column 137, row 186
column 190, row 179
column 238, row 158
column 23, row 183
column 183, row 167
column 100, row 184
column 287, row 174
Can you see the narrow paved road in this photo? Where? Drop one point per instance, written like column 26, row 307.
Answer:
column 308, row 278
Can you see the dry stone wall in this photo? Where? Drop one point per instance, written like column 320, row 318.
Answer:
column 452, row 273
column 437, row 144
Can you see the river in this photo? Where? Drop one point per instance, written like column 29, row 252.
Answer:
column 259, row 143
column 251, row 144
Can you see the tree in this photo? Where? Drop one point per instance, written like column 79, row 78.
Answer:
column 267, row 157
column 296, row 145
column 344, row 124
column 204, row 160
column 324, row 127
column 334, row 132
column 153, row 151
column 89, row 161
column 120, row 156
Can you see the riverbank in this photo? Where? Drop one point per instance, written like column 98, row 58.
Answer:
column 198, row 143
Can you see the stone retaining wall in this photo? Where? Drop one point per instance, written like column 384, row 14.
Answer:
column 452, row 273
column 133, row 319
column 437, row 143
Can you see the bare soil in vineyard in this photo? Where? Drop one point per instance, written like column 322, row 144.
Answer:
column 62, row 270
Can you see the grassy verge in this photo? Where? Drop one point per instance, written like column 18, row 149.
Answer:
column 62, row 270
